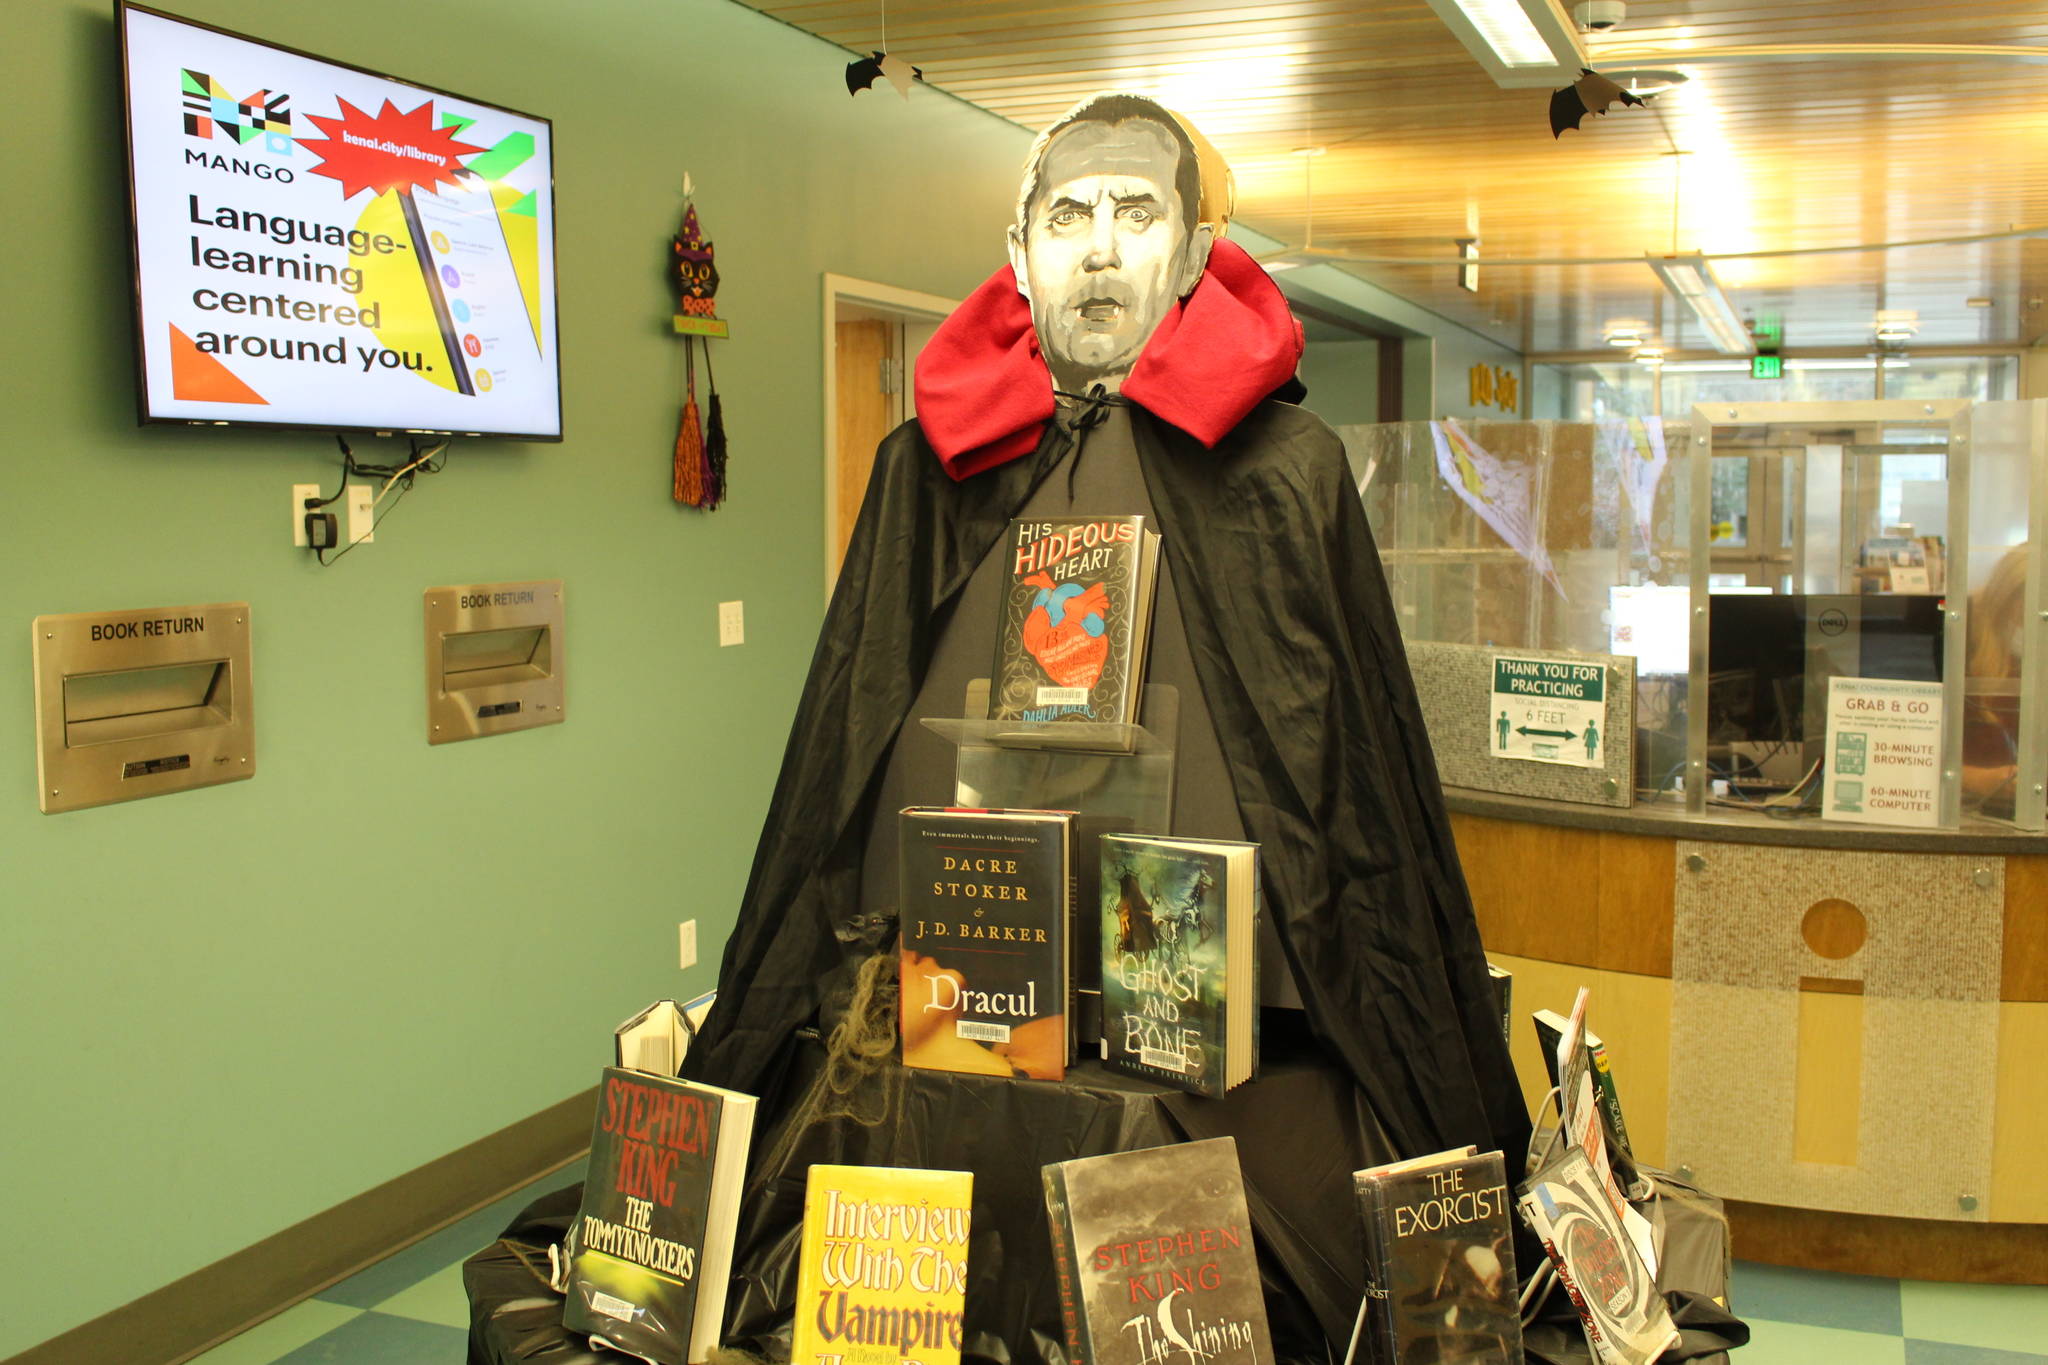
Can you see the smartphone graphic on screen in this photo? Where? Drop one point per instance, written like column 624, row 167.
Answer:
column 485, row 315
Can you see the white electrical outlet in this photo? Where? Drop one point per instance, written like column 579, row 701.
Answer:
column 686, row 943
column 302, row 493
column 732, row 623
column 361, row 524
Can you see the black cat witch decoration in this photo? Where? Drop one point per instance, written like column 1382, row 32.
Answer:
column 699, row 479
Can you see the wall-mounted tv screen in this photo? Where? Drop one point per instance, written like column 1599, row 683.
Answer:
column 321, row 246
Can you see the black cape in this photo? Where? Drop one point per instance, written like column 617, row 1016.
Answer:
column 1300, row 661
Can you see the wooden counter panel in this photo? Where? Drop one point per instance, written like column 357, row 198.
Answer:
column 2026, row 929
column 1904, row 1248
column 1589, row 898
column 1532, row 884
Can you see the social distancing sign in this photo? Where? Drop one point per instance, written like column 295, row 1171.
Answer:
column 1548, row 711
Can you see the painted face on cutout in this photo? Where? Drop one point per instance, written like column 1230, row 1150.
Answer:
column 1105, row 248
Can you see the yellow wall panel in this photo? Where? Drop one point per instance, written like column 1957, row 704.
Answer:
column 1632, row 1015
column 2019, row 1175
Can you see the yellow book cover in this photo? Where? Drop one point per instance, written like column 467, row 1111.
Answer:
column 883, row 1279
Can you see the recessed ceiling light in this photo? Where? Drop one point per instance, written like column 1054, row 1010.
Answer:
column 1623, row 336
column 1649, row 355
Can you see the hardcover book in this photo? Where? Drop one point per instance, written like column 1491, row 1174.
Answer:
column 984, row 969
column 657, row 1038
column 1076, row 611
column 650, row 1252
column 1440, row 1261
column 1153, row 1254
column 1503, row 991
column 1585, row 1125
column 1550, row 1027
column 1179, row 926
column 1616, row 1296
column 882, row 1276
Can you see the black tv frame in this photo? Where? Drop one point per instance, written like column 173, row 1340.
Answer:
column 143, row 415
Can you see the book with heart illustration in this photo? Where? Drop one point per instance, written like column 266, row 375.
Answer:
column 1075, row 620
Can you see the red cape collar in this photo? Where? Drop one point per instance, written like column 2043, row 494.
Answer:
column 984, row 394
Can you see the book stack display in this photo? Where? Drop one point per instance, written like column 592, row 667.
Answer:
column 1057, row 938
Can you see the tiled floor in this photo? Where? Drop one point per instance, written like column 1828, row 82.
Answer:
column 410, row 1310
column 407, row 1309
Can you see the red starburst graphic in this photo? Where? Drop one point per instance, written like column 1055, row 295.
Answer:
column 390, row 151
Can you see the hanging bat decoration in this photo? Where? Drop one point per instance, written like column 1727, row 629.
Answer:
column 862, row 75
column 699, row 471
column 1591, row 93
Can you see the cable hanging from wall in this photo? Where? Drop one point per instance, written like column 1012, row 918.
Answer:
column 400, row 476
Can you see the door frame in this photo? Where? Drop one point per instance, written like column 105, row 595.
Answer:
column 912, row 305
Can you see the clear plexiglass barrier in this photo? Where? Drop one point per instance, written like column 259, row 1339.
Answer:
column 1829, row 604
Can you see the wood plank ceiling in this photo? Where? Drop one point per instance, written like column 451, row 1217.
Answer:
column 1423, row 148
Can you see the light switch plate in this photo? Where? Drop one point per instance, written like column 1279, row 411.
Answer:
column 361, row 524
column 732, row 623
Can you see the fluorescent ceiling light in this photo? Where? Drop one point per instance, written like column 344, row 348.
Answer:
column 1692, row 280
column 1521, row 43
column 1624, row 336
column 1507, row 30
column 1742, row 367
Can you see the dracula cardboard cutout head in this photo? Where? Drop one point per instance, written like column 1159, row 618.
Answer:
column 1113, row 225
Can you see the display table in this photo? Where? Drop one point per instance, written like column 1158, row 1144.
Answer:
column 1301, row 1129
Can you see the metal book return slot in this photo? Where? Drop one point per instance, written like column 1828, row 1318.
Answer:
column 138, row 702
column 494, row 658
column 141, row 703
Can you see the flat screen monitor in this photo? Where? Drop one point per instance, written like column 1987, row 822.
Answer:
column 321, row 246
column 1652, row 623
column 1768, row 657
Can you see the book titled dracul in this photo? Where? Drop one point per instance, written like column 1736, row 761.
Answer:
column 1179, row 936
column 1152, row 1251
column 882, row 1276
column 1440, row 1261
column 1075, row 616
column 984, row 967
column 650, row 1252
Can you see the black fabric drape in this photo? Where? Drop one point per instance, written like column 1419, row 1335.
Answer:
column 1300, row 659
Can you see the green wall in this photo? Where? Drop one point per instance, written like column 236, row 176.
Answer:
column 225, row 1010
column 1343, row 380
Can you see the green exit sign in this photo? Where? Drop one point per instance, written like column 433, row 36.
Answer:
column 1766, row 367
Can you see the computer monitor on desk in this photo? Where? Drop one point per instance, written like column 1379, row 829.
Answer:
column 1769, row 659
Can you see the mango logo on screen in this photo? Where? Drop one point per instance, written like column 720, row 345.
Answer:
column 208, row 107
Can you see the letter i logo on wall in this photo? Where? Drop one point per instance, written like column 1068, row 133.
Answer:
column 209, row 106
